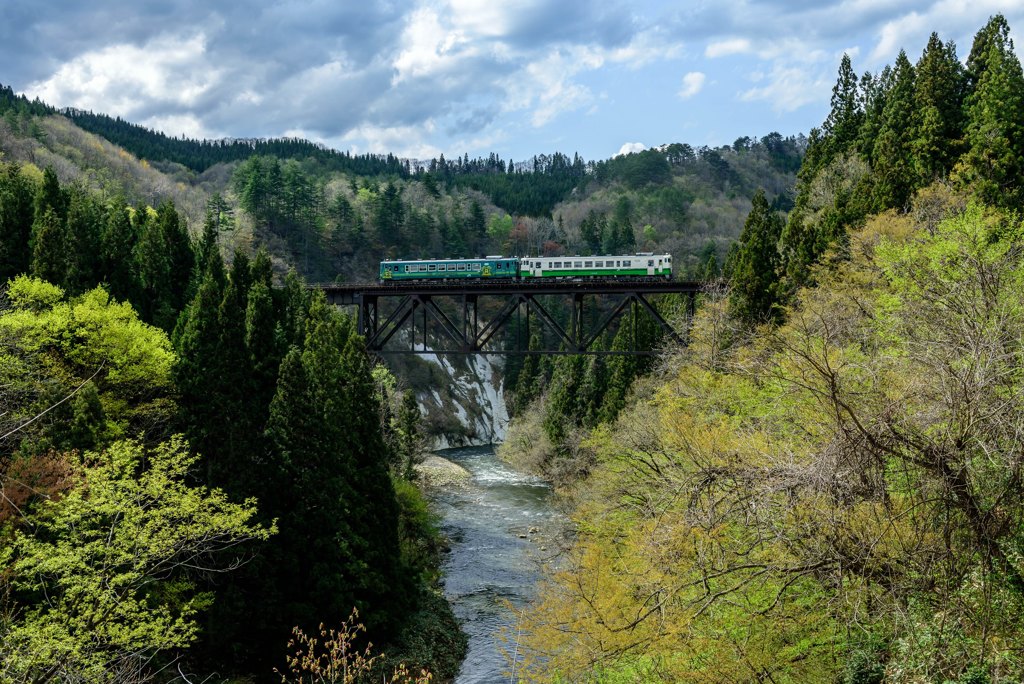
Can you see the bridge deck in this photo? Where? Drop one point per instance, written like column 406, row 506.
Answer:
column 352, row 293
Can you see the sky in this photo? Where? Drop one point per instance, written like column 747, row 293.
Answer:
column 429, row 77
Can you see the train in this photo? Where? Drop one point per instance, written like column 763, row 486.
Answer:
column 639, row 265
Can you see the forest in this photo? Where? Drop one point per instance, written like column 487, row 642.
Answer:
column 184, row 440
column 825, row 484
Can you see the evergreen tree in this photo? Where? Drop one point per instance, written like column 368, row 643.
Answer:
column 894, row 167
column 755, row 265
column 51, row 196
column 563, row 407
column 197, row 369
column 338, row 544
column 591, row 230
column 844, row 121
column 593, row 390
column 117, row 244
column 409, row 421
column 996, row 33
column 49, row 248
column 994, row 162
column 164, row 261
column 83, row 242
column 938, row 98
column 528, row 383
column 874, row 91
column 16, row 217
column 637, row 331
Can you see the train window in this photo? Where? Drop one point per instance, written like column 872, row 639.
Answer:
column 474, row 267
column 588, row 264
column 625, row 263
column 462, row 267
column 431, row 267
column 650, row 262
column 599, row 264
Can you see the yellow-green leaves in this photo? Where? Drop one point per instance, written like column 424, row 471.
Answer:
column 109, row 562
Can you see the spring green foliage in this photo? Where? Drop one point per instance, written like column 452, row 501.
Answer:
column 53, row 346
column 891, row 134
column 103, row 568
column 99, row 535
column 837, row 500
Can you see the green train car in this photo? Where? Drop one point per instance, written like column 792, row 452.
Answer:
column 641, row 265
column 447, row 269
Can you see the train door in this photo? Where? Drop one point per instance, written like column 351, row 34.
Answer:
column 650, row 267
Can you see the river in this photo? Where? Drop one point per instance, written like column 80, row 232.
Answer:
column 501, row 525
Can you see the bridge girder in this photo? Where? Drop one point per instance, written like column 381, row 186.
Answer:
column 414, row 307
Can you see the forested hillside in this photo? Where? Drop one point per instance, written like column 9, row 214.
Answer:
column 825, row 485
column 166, row 366
column 195, row 459
column 331, row 214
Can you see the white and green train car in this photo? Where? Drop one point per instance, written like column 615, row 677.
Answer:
column 644, row 265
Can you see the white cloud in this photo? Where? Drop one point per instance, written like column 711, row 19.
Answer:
column 789, row 87
column 120, row 79
column 630, row 147
column 723, row 48
column 546, row 87
column 897, row 34
column 187, row 125
column 491, row 19
column 645, row 48
column 430, row 46
column 693, row 83
column 402, row 141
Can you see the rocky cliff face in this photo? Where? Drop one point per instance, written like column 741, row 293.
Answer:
column 473, row 396
column 461, row 397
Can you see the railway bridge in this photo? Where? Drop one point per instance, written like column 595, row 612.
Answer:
column 466, row 317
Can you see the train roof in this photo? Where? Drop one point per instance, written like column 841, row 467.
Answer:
column 492, row 257
column 487, row 258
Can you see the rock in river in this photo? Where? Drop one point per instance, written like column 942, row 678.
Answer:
column 440, row 472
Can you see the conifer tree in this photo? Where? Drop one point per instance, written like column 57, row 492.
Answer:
column 994, row 162
column 49, row 248
column 117, row 244
column 197, row 368
column 563, row 406
column 874, row 91
column 995, row 33
column 755, row 266
column 529, row 381
column 636, row 332
column 50, row 195
column 16, row 216
column 893, row 155
column 83, row 241
column 938, row 97
column 845, row 119
column 164, row 259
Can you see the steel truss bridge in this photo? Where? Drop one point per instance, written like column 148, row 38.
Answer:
column 464, row 317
